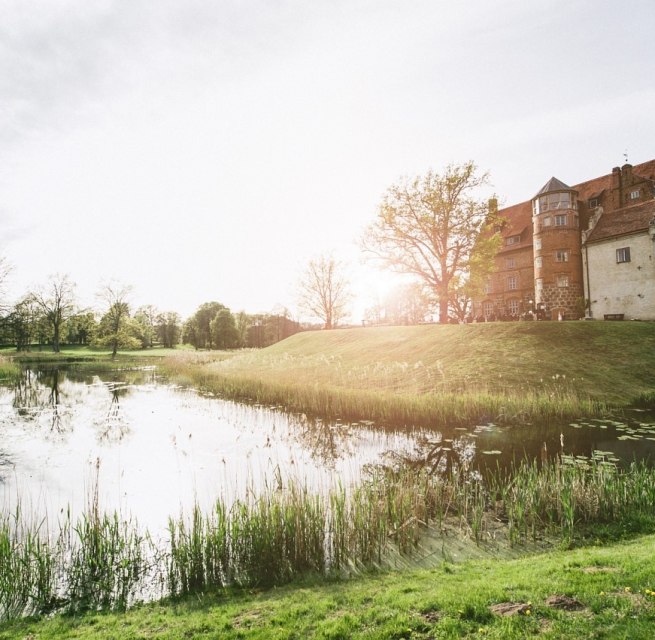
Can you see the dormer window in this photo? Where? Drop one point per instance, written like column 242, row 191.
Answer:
column 593, row 203
column 513, row 240
column 634, row 195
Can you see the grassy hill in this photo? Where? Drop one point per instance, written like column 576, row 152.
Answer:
column 431, row 373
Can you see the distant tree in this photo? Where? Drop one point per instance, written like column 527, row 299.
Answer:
column 168, row 327
column 428, row 226
column 23, row 321
column 197, row 329
column 324, row 290
column 146, row 317
column 224, row 330
column 81, row 328
column 114, row 330
column 242, row 321
column 56, row 301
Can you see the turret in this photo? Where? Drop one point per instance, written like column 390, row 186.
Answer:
column 557, row 252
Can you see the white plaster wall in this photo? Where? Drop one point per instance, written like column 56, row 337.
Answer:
column 627, row 287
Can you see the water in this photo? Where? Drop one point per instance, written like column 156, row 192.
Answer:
column 154, row 448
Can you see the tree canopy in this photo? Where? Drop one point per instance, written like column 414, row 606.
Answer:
column 431, row 226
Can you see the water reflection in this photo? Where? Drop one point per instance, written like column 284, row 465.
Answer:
column 162, row 447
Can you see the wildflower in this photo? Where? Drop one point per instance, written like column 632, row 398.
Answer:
column 627, row 589
column 527, row 612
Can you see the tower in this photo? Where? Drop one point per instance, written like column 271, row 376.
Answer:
column 557, row 251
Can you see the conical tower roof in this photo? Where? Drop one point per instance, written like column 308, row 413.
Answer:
column 553, row 185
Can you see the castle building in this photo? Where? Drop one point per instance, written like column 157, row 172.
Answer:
column 580, row 251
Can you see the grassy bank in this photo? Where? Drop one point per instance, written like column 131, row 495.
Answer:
column 103, row 562
column 613, row 586
column 453, row 374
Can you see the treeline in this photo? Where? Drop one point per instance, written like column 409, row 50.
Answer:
column 51, row 317
column 213, row 326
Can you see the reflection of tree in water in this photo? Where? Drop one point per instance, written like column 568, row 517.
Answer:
column 327, row 442
column 38, row 397
column 435, row 454
column 114, row 426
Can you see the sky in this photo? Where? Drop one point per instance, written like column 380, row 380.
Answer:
column 203, row 150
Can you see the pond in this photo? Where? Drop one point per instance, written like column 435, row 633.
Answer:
column 153, row 448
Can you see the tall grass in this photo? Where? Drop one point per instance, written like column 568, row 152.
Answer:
column 101, row 561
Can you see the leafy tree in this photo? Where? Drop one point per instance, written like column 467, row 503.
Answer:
column 57, row 303
column 197, row 329
column 81, row 328
column 146, row 317
column 168, row 328
column 324, row 290
column 224, row 330
column 429, row 226
column 115, row 331
column 23, row 321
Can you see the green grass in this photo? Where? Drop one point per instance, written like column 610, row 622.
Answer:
column 395, row 516
column 613, row 583
column 76, row 353
column 435, row 375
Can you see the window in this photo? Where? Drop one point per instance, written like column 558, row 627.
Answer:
column 623, row 254
column 553, row 201
column 593, row 203
column 634, row 195
column 538, row 262
column 561, row 255
column 513, row 239
column 512, row 283
column 513, row 307
column 537, row 244
column 487, row 286
column 539, row 284
column 487, row 309
column 563, row 280
column 510, row 263
column 560, row 220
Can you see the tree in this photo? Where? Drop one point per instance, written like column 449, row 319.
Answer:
column 324, row 290
column 114, row 328
column 81, row 328
column 57, row 303
column 197, row 329
column 429, row 226
column 168, row 329
column 23, row 321
column 146, row 316
column 224, row 330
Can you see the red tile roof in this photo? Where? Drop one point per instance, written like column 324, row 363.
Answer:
column 519, row 216
column 624, row 221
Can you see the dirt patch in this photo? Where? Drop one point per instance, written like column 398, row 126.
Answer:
column 564, row 603
column 511, row 609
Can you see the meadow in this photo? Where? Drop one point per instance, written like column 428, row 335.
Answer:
column 434, row 375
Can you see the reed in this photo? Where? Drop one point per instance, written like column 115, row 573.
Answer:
column 102, row 562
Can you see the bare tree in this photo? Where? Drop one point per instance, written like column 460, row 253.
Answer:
column 115, row 296
column 324, row 290
column 430, row 226
column 57, row 303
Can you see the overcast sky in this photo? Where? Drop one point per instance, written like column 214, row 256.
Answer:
column 205, row 150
